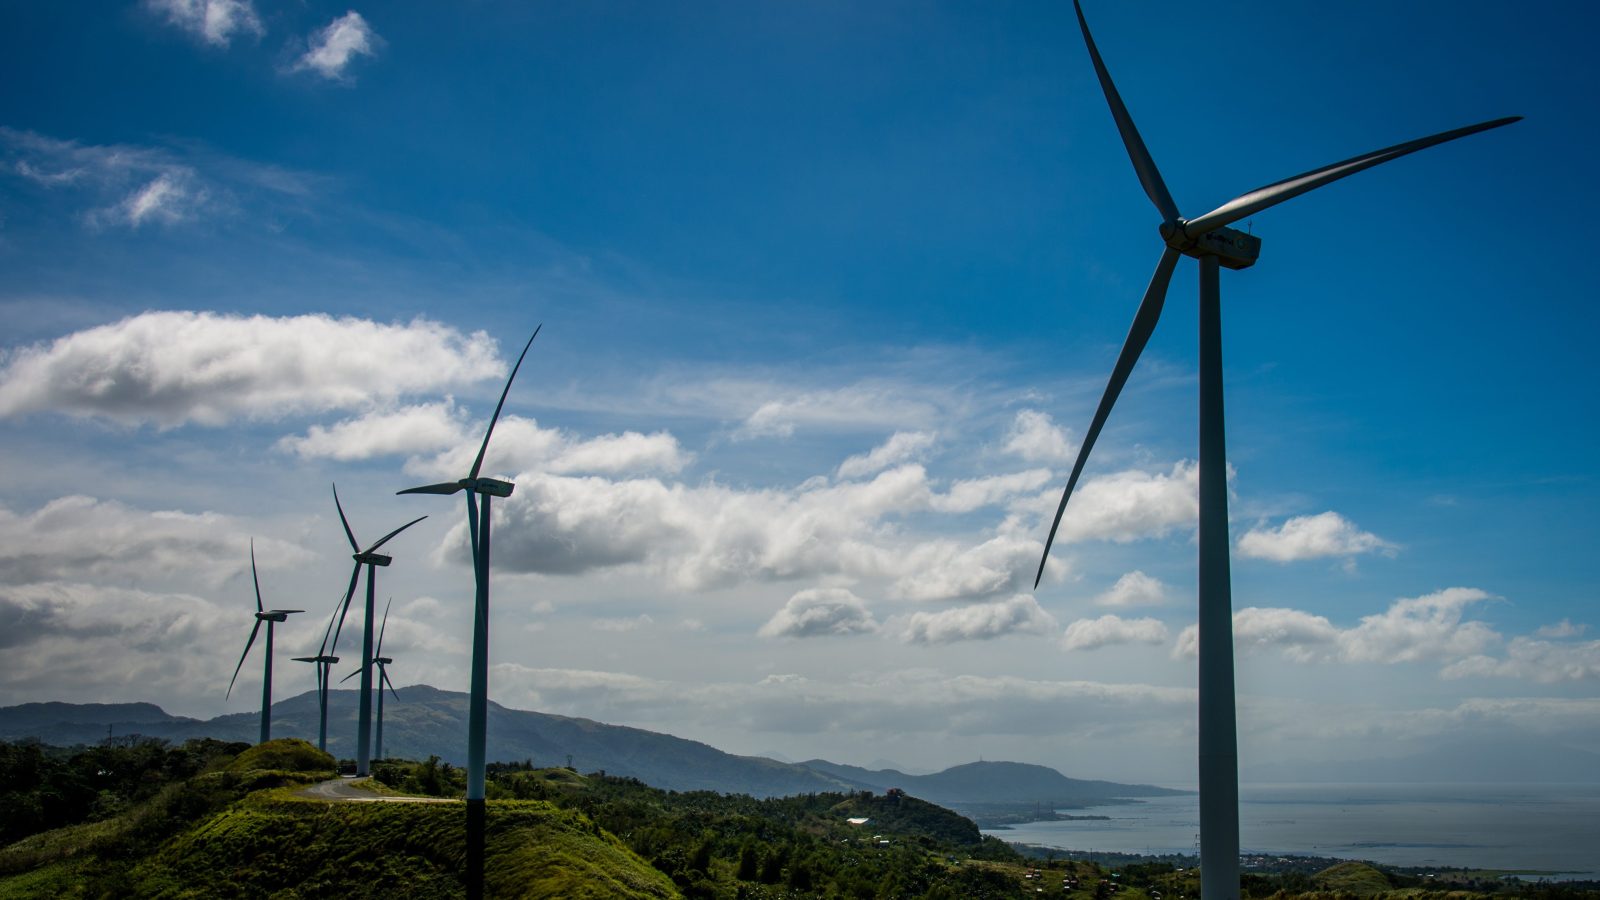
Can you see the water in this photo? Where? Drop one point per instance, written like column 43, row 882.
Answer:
column 1554, row 828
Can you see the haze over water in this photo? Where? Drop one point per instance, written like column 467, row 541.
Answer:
column 1553, row 828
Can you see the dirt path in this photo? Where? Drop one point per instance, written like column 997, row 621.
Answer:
column 345, row 790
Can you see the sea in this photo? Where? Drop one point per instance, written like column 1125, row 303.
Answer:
column 1545, row 828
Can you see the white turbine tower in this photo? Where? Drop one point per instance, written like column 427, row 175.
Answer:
column 1209, row 240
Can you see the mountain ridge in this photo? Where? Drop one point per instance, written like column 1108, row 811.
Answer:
column 426, row 721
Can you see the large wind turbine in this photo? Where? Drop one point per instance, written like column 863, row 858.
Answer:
column 271, row 617
column 382, row 662
column 1208, row 239
column 478, row 704
column 371, row 560
column 323, row 661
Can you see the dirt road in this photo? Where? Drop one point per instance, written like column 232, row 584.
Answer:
column 347, row 790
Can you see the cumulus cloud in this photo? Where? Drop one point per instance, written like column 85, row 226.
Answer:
column 60, row 637
column 408, row 429
column 1036, row 438
column 944, row 570
column 1134, row 589
column 1562, row 629
column 521, row 444
column 79, row 538
column 902, row 446
column 1091, row 634
column 979, row 621
column 1312, row 537
column 334, row 47
column 1531, row 659
column 1414, row 629
column 214, row 21
column 974, row 493
column 1124, row 506
column 820, row 612
column 172, row 368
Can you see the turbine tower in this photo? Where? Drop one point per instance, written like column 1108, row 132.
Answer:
column 271, row 617
column 382, row 663
column 372, row 560
column 478, row 704
column 323, row 661
column 1209, row 240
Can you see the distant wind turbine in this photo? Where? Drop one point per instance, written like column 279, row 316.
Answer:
column 478, row 703
column 371, row 559
column 271, row 617
column 1209, row 240
column 323, row 661
column 382, row 662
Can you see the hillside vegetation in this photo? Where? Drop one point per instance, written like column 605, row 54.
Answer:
column 208, row 819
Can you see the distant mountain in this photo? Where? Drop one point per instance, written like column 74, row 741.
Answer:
column 425, row 721
column 992, row 783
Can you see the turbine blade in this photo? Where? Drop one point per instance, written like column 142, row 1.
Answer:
column 449, row 487
column 351, row 675
column 1143, row 164
column 1144, row 323
column 344, row 609
column 247, row 645
column 328, row 632
column 384, row 627
column 1261, row 198
column 253, row 576
column 385, row 538
column 385, row 679
column 345, row 522
column 472, row 527
column 478, row 463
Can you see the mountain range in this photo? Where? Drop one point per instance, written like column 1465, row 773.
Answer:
column 425, row 721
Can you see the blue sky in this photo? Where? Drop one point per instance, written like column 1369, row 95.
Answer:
column 829, row 292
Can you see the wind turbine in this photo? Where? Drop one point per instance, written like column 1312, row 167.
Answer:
column 323, row 661
column 371, row 559
column 381, row 662
column 1209, row 239
column 478, row 703
column 271, row 617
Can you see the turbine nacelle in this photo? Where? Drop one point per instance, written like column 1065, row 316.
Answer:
column 276, row 615
column 372, row 559
column 491, row 486
column 383, row 660
column 317, row 659
column 1233, row 248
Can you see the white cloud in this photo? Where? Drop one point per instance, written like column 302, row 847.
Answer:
column 944, row 570
column 902, row 446
column 1546, row 662
column 980, row 621
column 1036, row 438
column 1413, row 629
column 861, row 406
column 82, row 539
column 408, row 429
column 333, row 47
column 1312, row 537
column 975, row 493
column 1134, row 589
column 167, row 199
column 521, row 444
column 171, row 368
column 1562, row 629
column 1125, row 506
column 819, row 612
column 214, row 21
column 1108, row 630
